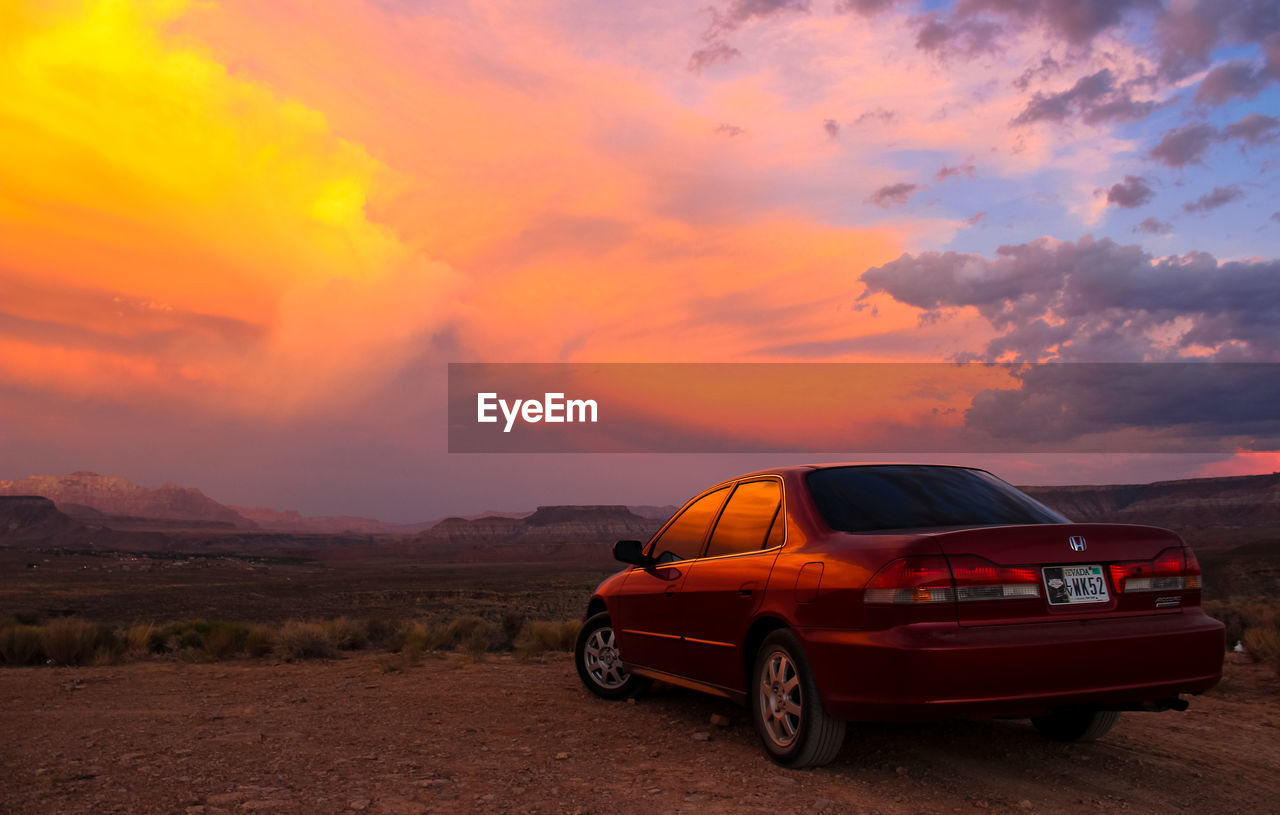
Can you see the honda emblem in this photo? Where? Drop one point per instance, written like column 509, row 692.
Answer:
column 1077, row 543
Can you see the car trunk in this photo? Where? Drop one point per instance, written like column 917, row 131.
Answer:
column 1078, row 569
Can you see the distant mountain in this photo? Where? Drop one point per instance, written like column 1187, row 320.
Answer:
column 290, row 520
column 117, row 496
column 1210, row 513
column 657, row 513
column 565, row 524
column 31, row 518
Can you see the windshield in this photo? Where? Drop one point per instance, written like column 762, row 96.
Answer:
column 872, row 499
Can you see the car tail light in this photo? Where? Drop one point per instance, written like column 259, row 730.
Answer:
column 979, row 579
column 911, row 580
column 1171, row 570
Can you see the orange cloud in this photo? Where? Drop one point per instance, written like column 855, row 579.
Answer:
column 200, row 209
column 141, row 177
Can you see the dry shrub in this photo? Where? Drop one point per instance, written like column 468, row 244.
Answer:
column 259, row 641
column 20, row 645
column 69, row 641
column 298, row 640
column 477, row 642
column 512, row 623
column 384, row 634
column 1263, row 645
column 136, row 640
column 224, row 642
column 1239, row 614
column 217, row 639
column 347, row 634
column 471, row 634
column 540, row 637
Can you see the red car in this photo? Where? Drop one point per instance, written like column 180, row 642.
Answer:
column 833, row 593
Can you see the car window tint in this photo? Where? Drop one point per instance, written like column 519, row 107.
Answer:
column 867, row 499
column 744, row 524
column 683, row 539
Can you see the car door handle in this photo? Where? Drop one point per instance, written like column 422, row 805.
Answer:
column 670, row 592
column 746, row 589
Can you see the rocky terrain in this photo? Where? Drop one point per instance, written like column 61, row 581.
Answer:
column 500, row 735
column 561, row 523
column 1209, row 512
column 120, row 496
column 121, row 504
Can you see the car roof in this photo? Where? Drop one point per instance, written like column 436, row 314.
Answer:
column 831, row 465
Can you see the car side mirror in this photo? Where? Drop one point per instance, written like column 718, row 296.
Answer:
column 631, row 552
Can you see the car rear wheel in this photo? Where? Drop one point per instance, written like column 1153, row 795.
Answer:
column 599, row 664
column 1077, row 724
column 786, row 708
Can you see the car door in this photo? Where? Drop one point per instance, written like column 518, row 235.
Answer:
column 723, row 589
column 645, row 612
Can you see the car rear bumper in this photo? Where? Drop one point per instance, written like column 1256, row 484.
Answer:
column 941, row 670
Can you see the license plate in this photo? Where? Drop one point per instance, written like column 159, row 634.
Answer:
column 1068, row 585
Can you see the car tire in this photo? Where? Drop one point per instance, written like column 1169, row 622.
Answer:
column 786, row 708
column 598, row 662
column 1076, row 724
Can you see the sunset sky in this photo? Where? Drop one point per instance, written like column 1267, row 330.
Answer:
column 240, row 241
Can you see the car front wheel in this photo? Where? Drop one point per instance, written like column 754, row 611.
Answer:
column 1076, row 724
column 786, row 708
column 599, row 664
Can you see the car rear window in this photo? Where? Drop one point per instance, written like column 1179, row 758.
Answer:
column 872, row 499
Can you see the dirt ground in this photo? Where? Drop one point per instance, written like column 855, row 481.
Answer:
column 501, row 735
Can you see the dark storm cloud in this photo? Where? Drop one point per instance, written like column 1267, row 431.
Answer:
column 1097, row 300
column 1131, row 193
column 864, row 7
column 893, row 195
column 715, row 52
column 1188, row 403
column 1188, row 144
column 1235, row 78
column 739, row 12
column 1256, row 128
column 1188, row 33
column 1076, row 21
column 1220, row 196
column 1154, row 226
column 960, row 169
column 943, row 36
column 1094, row 98
column 1185, row 37
column 1185, row 145
column 977, row 26
column 832, row 127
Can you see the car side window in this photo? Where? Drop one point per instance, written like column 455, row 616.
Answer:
column 777, row 532
column 745, row 524
column 683, row 538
